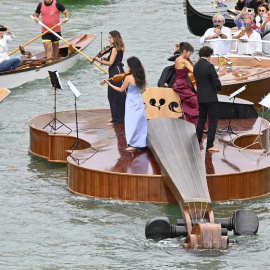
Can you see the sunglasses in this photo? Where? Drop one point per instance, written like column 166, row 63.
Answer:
column 247, row 24
column 217, row 21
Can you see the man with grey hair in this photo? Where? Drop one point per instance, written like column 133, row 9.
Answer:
column 219, row 31
column 249, row 39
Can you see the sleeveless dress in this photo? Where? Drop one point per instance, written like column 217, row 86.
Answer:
column 135, row 118
column 187, row 96
column 116, row 99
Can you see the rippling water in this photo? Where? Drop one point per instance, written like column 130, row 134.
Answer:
column 42, row 224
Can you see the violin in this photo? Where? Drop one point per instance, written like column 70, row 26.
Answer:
column 104, row 51
column 118, row 77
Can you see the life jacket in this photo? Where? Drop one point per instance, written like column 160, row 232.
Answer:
column 50, row 16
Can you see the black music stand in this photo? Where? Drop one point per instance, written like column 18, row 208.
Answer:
column 78, row 142
column 229, row 127
column 258, row 140
column 56, row 83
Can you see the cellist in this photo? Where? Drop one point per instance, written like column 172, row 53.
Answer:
column 114, row 61
column 187, row 94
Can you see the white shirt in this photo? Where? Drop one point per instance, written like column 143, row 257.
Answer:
column 266, row 46
column 4, row 47
column 249, row 47
column 219, row 47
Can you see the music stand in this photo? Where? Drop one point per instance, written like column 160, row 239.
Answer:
column 265, row 103
column 229, row 127
column 78, row 142
column 56, row 83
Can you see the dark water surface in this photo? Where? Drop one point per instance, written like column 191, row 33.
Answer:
column 42, row 224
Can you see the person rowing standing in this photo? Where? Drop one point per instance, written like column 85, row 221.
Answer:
column 50, row 13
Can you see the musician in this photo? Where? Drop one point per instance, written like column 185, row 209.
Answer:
column 167, row 77
column 7, row 63
column 207, row 84
column 50, row 13
column 186, row 93
column 218, row 31
column 243, row 46
column 114, row 61
column 135, row 117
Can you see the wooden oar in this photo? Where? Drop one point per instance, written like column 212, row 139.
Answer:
column 3, row 93
column 34, row 39
column 88, row 58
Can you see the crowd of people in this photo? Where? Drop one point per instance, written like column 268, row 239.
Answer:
column 253, row 26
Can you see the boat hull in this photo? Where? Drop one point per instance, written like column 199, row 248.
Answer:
column 12, row 79
column 245, row 70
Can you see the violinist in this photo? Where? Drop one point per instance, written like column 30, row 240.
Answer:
column 186, row 93
column 114, row 61
column 135, row 117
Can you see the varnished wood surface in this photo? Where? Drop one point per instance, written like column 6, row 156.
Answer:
column 114, row 173
column 3, row 93
column 161, row 102
column 178, row 155
column 245, row 70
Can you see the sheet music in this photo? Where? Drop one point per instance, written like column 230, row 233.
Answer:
column 59, row 80
column 266, row 101
column 237, row 92
column 73, row 89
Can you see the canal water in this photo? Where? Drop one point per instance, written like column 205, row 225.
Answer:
column 42, row 224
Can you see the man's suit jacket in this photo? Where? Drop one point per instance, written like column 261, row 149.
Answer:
column 207, row 81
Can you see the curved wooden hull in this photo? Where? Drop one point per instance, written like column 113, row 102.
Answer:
column 3, row 93
column 198, row 22
column 15, row 78
column 113, row 173
column 248, row 71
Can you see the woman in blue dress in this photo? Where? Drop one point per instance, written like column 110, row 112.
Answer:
column 135, row 117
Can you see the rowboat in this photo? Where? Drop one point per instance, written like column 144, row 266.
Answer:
column 33, row 68
column 198, row 22
column 3, row 93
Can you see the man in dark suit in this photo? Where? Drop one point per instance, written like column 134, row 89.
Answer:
column 208, row 84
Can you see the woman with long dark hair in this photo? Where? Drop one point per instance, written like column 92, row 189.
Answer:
column 135, row 117
column 114, row 61
column 181, row 86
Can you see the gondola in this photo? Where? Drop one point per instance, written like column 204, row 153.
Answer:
column 198, row 22
column 36, row 67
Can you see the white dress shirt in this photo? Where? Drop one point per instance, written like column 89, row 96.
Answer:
column 249, row 46
column 219, row 47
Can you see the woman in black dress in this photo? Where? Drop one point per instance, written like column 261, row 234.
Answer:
column 114, row 61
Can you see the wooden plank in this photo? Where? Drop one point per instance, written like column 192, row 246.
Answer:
column 3, row 93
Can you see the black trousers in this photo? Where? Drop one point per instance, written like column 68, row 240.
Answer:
column 210, row 108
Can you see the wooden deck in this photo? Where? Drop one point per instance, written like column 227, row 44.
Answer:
column 111, row 172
